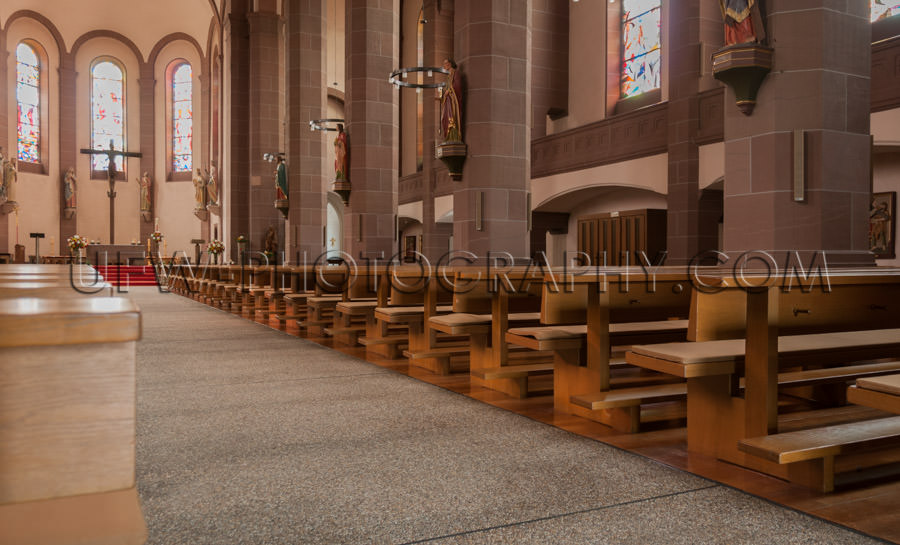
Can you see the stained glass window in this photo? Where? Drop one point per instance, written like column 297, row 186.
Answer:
column 182, row 114
column 28, row 101
column 641, row 58
column 107, row 112
column 882, row 9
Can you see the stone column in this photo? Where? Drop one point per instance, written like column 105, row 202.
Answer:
column 372, row 111
column 237, row 175
column 147, row 83
column 201, row 145
column 68, row 149
column 493, row 45
column 307, row 100
column 4, row 131
column 438, row 46
column 265, row 124
column 819, row 84
column 691, row 24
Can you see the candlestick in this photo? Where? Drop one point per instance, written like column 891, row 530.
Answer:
column 165, row 248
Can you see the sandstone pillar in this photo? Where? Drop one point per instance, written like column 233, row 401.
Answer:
column 371, row 111
column 265, row 123
column 819, row 85
column 493, row 46
column 307, row 96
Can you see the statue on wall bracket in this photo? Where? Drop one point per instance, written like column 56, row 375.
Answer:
column 341, row 165
column 8, row 176
column 452, row 149
column 146, row 185
column 282, row 203
column 200, row 196
column 212, row 190
column 745, row 60
column 69, row 187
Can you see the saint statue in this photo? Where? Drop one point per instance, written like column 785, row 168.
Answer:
column 451, row 105
column 281, row 183
column 69, row 187
column 199, row 191
column 743, row 21
column 340, row 154
column 271, row 241
column 212, row 186
column 146, row 184
column 10, row 173
column 2, row 180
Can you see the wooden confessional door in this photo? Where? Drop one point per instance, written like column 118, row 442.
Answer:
column 618, row 238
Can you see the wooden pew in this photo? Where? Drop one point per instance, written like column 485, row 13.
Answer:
column 354, row 315
column 881, row 393
column 799, row 339
column 485, row 306
column 51, row 281
column 583, row 317
column 68, row 476
column 396, row 325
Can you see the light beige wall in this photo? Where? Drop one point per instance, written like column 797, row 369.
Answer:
column 712, row 163
column 92, row 220
column 175, row 199
column 887, row 178
column 37, row 194
column 886, row 129
column 408, row 57
column 587, row 63
column 334, row 45
column 142, row 22
column 646, row 173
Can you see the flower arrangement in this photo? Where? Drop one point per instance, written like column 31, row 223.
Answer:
column 215, row 247
column 241, row 239
column 76, row 242
column 156, row 237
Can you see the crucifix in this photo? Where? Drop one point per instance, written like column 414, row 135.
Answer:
column 111, row 154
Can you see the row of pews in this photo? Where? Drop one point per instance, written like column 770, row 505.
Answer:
column 67, row 408
column 795, row 377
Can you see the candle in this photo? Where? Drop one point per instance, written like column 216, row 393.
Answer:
column 51, row 244
column 165, row 247
column 148, row 245
column 156, row 225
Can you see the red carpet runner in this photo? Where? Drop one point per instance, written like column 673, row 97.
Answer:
column 128, row 275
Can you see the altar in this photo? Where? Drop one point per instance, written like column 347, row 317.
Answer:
column 117, row 254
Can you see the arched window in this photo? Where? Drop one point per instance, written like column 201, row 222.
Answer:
column 28, row 102
column 182, row 118
column 641, row 47
column 107, row 112
column 882, row 9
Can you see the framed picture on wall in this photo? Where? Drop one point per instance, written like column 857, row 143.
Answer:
column 881, row 224
column 409, row 249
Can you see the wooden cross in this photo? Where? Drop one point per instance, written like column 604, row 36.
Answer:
column 111, row 153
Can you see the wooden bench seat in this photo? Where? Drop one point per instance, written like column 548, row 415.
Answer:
column 67, row 421
column 403, row 315
column 881, row 393
column 631, row 397
column 562, row 337
column 823, row 445
column 513, row 371
column 707, row 358
column 459, row 323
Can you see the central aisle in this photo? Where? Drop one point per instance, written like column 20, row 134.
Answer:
column 249, row 435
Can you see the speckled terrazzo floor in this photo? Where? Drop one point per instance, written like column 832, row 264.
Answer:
column 248, row 435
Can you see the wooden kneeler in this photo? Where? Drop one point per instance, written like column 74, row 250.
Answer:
column 67, row 422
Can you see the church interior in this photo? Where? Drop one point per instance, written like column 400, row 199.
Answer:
column 251, row 156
